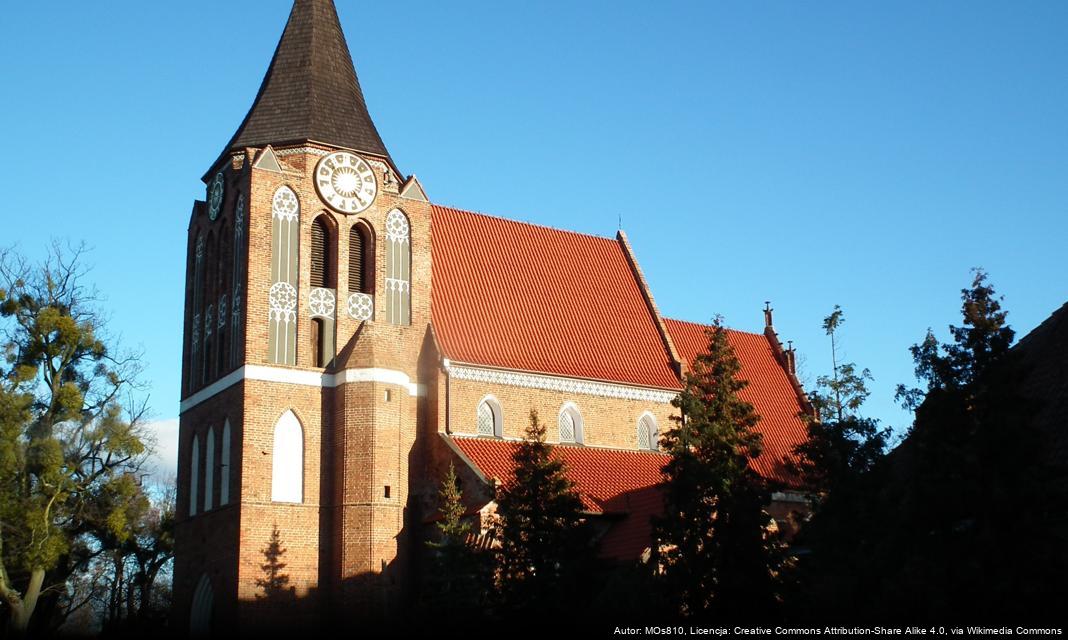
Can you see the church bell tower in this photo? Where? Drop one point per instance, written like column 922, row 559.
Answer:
column 307, row 312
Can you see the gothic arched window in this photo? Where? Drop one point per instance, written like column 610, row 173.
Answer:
column 194, row 476
column 489, row 418
column 361, row 259
column 323, row 297
column 209, row 470
column 322, row 255
column 648, row 436
column 224, row 467
column 398, row 268
column 287, row 472
column 570, row 424
column 200, row 613
column 282, row 298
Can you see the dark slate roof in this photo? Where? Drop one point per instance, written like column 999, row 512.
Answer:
column 311, row 91
column 1044, row 379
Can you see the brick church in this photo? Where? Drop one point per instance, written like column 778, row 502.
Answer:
column 346, row 340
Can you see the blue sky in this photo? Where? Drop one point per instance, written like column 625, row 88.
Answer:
column 811, row 154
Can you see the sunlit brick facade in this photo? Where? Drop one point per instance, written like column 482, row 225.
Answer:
column 342, row 336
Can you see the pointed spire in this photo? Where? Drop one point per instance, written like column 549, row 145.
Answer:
column 311, row 91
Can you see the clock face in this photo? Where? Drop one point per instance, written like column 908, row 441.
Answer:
column 346, row 182
column 215, row 196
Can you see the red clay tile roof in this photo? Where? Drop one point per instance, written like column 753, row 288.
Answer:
column 770, row 392
column 524, row 297
column 611, row 481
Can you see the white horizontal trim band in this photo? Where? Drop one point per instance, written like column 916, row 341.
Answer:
column 303, row 378
column 554, row 383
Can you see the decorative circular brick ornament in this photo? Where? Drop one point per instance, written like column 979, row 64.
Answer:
column 322, row 303
column 361, row 306
column 283, row 301
column 285, row 205
column 397, row 226
column 346, row 182
column 215, row 196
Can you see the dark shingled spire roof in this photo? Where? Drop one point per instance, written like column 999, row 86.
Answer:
column 310, row 91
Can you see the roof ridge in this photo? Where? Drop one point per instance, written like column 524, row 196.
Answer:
column 1043, row 326
column 702, row 324
column 677, row 362
column 536, row 225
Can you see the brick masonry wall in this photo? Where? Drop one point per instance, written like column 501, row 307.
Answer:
column 208, row 543
column 607, row 422
column 350, row 549
column 345, row 544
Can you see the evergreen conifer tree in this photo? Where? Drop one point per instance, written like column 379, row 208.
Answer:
column 460, row 579
column 836, row 465
column 544, row 543
column 959, row 518
column 713, row 546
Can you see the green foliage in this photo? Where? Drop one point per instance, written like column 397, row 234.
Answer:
column 959, row 519
column 128, row 557
column 461, row 575
column 713, row 547
column 68, row 451
column 842, row 393
column 842, row 444
column 544, row 544
column 957, row 366
column 452, row 527
column 836, row 464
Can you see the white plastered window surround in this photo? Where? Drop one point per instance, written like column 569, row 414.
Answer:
column 648, row 432
column 489, row 418
column 569, row 421
column 287, row 472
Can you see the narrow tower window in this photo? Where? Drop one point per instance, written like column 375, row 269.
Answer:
column 224, row 467
column 194, row 475
column 320, row 258
column 318, row 351
column 209, row 471
column 323, row 298
column 287, row 474
column 361, row 260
